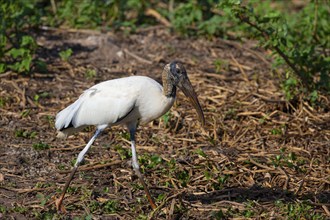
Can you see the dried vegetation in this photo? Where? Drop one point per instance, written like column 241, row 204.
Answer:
column 258, row 156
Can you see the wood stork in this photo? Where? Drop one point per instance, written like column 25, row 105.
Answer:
column 126, row 101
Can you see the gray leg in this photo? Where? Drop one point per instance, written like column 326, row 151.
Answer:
column 136, row 167
column 87, row 147
column 80, row 158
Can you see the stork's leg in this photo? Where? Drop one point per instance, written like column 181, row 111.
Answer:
column 80, row 158
column 136, row 168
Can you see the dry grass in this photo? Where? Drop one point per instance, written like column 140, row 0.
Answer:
column 258, row 156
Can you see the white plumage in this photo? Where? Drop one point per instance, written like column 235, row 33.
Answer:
column 126, row 101
column 118, row 101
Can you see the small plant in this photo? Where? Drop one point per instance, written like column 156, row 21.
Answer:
column 248, row 212
column 110, row 206
column 73, row 162
column 90, row 73
column 25, row 112
column 161, row 197
column 72, row 189
column 125, row 135
column 85, row 192
column 183, row 177
column 41, row 146
column 25, row 134
column 94, row 206
column 2, row 102
column 289, row 86
column 218, row 215
column 201, row 153
column 166, row 118
column 298, row 210
column 221, row 182
column 45, row 215
column 88, row 217
column 123, row 153
column 207, row 175
column 276, row 131
column 222, row 179
column 21, row 57
column 40, row 95
column 106, row 190
column 142, row 217
column 313, row 96
column 3, row 209
column 40, row 66
column 42, row 185
column 43, row 199
column 153, row 161
column 61, row 167
column 48, row 118
column 20, row 209
column 220, row 65
column 231, row 114
column 288, row 159
column 262, row 120
column 66, row 54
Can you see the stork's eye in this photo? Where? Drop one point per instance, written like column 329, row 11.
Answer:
column 178, row 71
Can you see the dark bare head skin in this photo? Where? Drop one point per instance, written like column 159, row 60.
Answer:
column 179, row 78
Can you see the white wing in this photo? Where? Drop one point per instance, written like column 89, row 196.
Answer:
column 104, row 103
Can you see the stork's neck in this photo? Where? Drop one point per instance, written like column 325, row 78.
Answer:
column 169, row 89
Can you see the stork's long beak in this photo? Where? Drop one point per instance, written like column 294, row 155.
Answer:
column 189, row 91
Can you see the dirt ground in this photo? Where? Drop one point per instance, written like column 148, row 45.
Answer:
column 258, row 156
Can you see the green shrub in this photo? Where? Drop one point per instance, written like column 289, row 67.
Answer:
column 17, row 47
column 299, row 40
column 107, row 14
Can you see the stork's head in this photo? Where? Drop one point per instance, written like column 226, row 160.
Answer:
column 179, row 78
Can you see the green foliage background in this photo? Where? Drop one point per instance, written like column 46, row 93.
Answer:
column 298, row 38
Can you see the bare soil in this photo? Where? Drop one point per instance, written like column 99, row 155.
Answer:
column 257, row 156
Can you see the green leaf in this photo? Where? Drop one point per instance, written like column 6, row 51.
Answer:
column 273, row 15
column 40, row 66
column 26, row 63
column 65, row 54
column 15, row 53
column 27, row 41
column 2, row 67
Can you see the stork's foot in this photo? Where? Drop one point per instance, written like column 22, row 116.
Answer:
column 152, row 204
column 59, row 206
column 146, row 189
